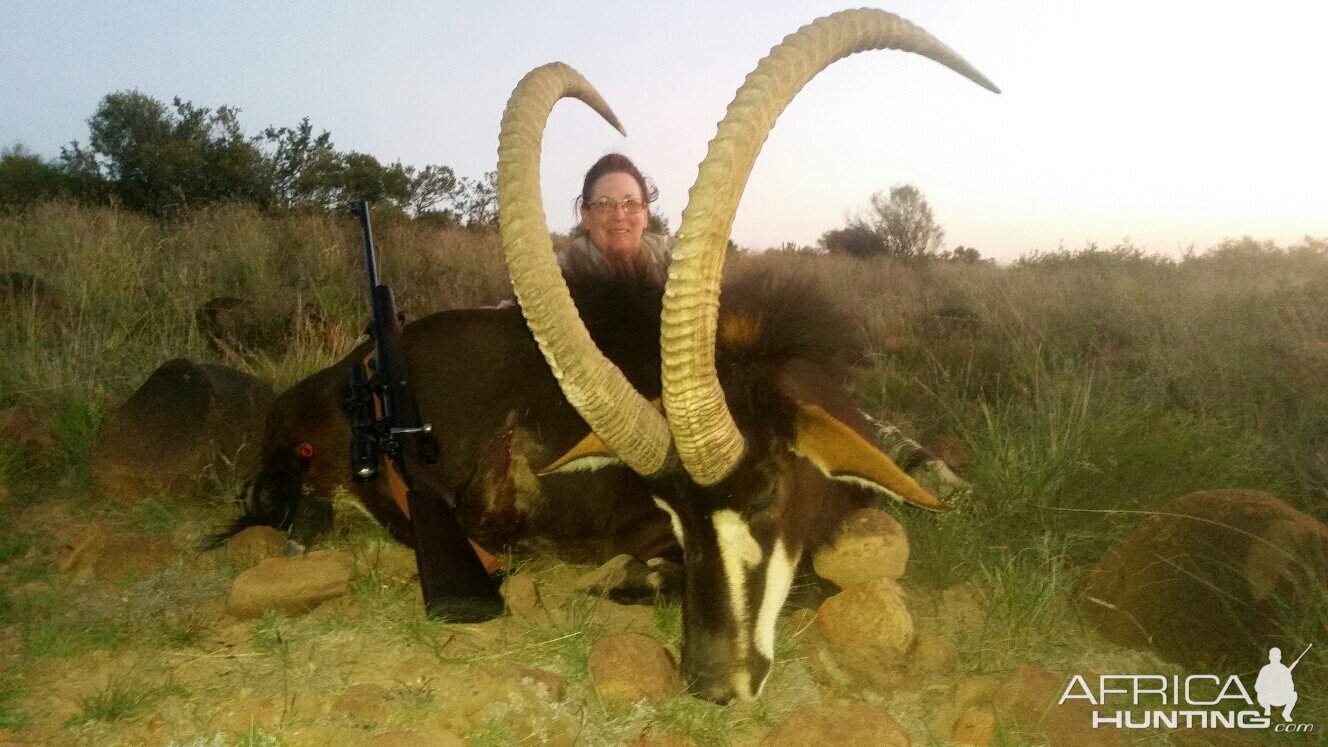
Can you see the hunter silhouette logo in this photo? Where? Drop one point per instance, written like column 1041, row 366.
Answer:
column 1194, row 701
column 1274, row 686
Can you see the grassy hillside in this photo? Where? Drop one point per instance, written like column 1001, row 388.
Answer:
column 1073, row 389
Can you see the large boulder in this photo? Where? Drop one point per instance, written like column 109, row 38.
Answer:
column 186, row 418
column 1212, row 576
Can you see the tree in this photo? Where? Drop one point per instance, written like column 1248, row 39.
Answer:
column 905, row 224
column 965, row 254
column 899, row 226
column 160, row 160
column 26, row 178
column 430, row 187
column 295, row 161
column 856, row 239
column 477, row 201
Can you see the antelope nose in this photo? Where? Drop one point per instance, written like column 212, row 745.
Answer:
column 716, row 690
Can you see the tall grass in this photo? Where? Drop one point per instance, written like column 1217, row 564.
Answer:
column 1083, row 386
column 127, row 289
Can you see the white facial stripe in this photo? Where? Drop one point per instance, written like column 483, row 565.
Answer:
column 738, row 552
column 674, row 521
column 778, row 581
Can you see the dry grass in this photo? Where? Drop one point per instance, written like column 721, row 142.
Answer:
column 1097, row 380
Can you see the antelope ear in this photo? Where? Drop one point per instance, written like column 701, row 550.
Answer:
column 840, row 453
column 589, row 454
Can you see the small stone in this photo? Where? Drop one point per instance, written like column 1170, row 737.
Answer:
column 870, row 544
column 394, row 561
column 1026, row 695
column 933, row 655
column 523, row 598
column 254, row 544
column 976, row 727
column 611, row 575
column 551, row 683
column 362, row 703
column 870, row 615
column 293, row 585
column 839, row 725
column 628, row 667
column 967, row 692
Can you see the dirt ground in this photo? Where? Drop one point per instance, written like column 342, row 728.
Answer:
column 140, row 649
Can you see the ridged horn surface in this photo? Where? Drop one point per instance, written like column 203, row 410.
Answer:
column 704, row 433
column 625, row 420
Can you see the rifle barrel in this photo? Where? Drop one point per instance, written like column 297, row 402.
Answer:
column 1298, row 658
column 361, row 210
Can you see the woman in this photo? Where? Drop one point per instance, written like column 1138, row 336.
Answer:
column 615, row 210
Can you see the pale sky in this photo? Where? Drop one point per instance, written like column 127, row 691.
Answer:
column 1168, row 123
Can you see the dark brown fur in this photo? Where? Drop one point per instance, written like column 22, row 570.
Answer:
column 480, row 379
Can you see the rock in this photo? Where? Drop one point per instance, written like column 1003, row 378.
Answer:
column 1027, row 696
column 1209, row 578
column 253, row 544
column 361, row 704
column 862, row 636
column 125, row 555
column 83, row 549
column 970, row 691
column 932, row 656
column 871, row 615
column 293, row 585
column 394, row 561
column 952, row 612
column 870, row 545
column 550, row 682
column 627, row 667
column 976, row 727
column 523, row 598
column 1027, row 699
column 954, row 452
column 842, row 725
column 611, row 575
column 185, row 418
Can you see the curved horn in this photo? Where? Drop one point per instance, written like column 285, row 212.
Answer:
column 624, row 419
column 706, row 437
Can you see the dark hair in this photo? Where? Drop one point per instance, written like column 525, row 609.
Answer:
column 615, row 163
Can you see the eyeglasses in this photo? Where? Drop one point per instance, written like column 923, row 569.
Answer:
column 605, row 206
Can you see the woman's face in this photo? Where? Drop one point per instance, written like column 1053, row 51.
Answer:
column 616, row 232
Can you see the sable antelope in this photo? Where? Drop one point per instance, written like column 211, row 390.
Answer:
column 758, row 453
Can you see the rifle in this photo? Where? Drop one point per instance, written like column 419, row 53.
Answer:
column 455, row 585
